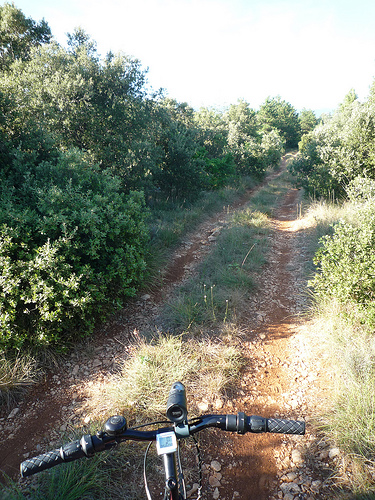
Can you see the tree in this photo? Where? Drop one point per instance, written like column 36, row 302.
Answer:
column 339, row 149
column 18, row 35
column 82, row 102
column 244, row 139
column 241, row 121
column 308, row 121
column 180, row 171
column 212, row 131
column 350, row 97
column 79, row 40
column 280, row 115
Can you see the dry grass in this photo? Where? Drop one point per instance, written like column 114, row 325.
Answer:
column 350, row 345
column 205, row 367
column 16, row 374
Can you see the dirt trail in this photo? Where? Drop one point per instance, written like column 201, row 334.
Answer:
column 281, row 379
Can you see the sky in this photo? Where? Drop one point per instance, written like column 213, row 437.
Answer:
column 213, row 52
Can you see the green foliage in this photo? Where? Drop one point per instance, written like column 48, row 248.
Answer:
column 81, row 139
column 307, row 120
column 312, row 173
column 218, row 171
column 181, row 171
column 71, row 248
column 244, row 140
column 18, row 35
column 338, row 150
column 273, row 146
column 80, row 102
column 277, row 114
column 361, row 189
column 346, row 263
column 227, row 274
column 212, row 131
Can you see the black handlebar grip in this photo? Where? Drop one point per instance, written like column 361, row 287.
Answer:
column 285, row 426
column 67, row 453
column 41, row 462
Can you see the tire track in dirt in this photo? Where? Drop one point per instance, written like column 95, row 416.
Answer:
column 62, row 395
column 282, row 379
column 61, row 400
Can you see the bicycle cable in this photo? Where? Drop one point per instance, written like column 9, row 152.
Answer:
column 144, row 472
column 180, row 472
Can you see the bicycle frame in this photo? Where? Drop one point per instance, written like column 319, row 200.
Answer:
column 171, row 479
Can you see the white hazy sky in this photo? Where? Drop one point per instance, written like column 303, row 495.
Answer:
column 213, row 52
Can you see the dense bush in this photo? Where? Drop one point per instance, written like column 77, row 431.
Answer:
column 218, row 171
column 277, row 114
column 339, row 149
column 346, row 262
column 71, row 248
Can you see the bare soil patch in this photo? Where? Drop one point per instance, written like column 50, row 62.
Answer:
column 282, row 379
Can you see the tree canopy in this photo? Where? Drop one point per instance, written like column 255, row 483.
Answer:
column 339, row 149
column 278, row 114
column 18, row 35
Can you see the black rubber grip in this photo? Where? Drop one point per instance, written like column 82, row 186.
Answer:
column 41, row 462
column 67, row 453
column 281, row 426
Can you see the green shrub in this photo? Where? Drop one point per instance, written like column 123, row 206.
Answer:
column 361, row 189
column 218, row 171
column 346, row 262
column 71, row 248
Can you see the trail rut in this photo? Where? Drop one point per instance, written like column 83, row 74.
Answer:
column 280, row 379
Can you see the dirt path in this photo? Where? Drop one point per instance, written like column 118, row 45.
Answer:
column 281, row 378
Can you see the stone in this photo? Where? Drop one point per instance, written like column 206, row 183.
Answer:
column 219, row 403
column 96, row 363
column 291, row 476
column 213, row 481
column 315, row 485
column 13, row 413
column 290, row 488
column 216, row 494
column 288, row 496
column 334, row 452
column 216, row 466
column 203, row 406
column 193, row 490
column 297, row 457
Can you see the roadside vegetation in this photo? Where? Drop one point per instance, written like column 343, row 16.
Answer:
column 100, row 175
column 336, row 166
column 208, row 342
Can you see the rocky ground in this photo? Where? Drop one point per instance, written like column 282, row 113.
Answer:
column 286, row 376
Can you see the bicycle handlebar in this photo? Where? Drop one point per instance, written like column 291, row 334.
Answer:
column 88, row 445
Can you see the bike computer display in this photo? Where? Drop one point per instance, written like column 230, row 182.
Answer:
column 166, row 442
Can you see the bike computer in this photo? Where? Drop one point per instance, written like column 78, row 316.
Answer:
column 166, row 442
